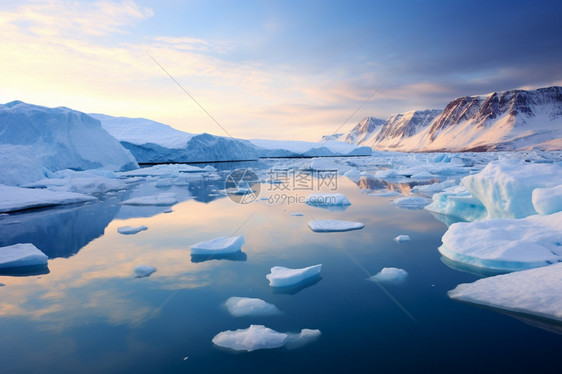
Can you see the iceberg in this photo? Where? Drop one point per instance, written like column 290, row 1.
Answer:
column 536, row 292
column 143, row 271
column 457, row 202
column 54, row 139
column 246, row 306
column 411, row 202
column 505, row 187
column 332, row 225
column 326, row 200
column 222, row 245
column 162, row 199
column 21, row 255
column 260, row 337
column 128, row 230
column 547, row 200
column 402, row 238
column 287, row 277
column 390, row 275
column 154, row 142
column 16, row 198
column 505, row 244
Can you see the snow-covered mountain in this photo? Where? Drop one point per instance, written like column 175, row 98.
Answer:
column 35, row 139
column 401, row 126
column 154, row 142
column 364, row 130
column 509, row 120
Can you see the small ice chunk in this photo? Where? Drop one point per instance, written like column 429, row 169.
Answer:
column 505, row 244
column 253, row 338
column 391, row 275
column 411, row 202
column 129, row 230
column 168, row 211
column 424, row 175
column 296, row 214
column 333, row 225
column 304, row 337
column 220, row 245
column 285, row 277
column 327, row 200
column 536, row 292
column 547, row 200
column 144, row 271
column 25, row 254
column 402, row 238
column 260, row 337
column 162, row 199
column 246, row 306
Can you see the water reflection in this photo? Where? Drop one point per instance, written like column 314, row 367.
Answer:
column 59, row 231
column 238, row 256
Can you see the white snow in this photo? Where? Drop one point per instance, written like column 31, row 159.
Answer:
column 17, row 198
column 411, row 202
column 260, row 337
column 246, row 306
column 37, row 138
column 143, row 271
column 390, row 275
column 547, row 200
column 505, row 187
column 332, row 225
column 285, row 277
column 170, row 170
column 536, row 292
column 505, row 244
column 402, row 238
column 129, row 230
column 220, row 245
column 327, row 200
column 18, row 255
column 162, row 199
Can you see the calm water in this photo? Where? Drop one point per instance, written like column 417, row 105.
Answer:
column 89, row 313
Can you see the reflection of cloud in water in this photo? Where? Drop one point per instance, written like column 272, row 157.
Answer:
column 59, row 231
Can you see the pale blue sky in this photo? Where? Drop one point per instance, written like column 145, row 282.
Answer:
column 273, row 69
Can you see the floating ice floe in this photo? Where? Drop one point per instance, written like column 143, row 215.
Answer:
column 430, row 189
column 21, row 255
column 162, row 199
column 16, row 198
column 332, row 225
column 505, row 187
column 246, row 306
column 129, row 230
column 457, row 202
column 260, row 337
column 390, row 275
column 506, row 244
column 535, row 292
column 222, row 245
column 287, row 277
column 143, row 271
column 402, row 238
column 297, row 214
column 547, row 200
column 411, row 202
column 326, row 200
